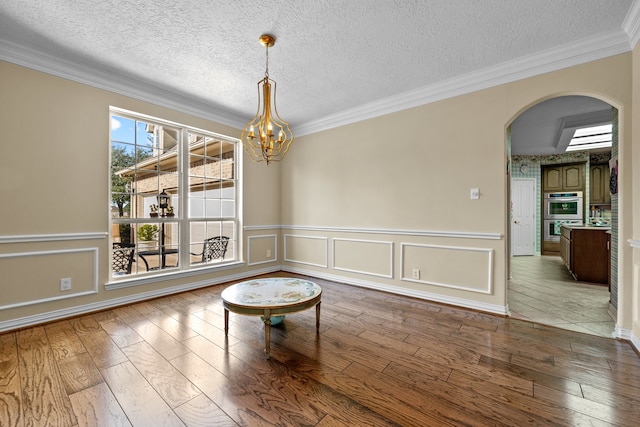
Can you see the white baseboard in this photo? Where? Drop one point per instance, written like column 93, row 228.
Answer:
column 635, row 342
column 51, row 316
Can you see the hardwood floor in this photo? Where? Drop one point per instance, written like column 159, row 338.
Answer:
column 379, row 360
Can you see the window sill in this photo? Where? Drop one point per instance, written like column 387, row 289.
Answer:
column 171, row 275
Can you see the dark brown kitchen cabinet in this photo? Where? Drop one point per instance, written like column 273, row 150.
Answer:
column 585, row 252
column 609, row 258
column 599, row 185
column 563, row 177
column 565, row 247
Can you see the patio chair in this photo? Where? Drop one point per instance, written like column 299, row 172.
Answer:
column 213, row 248
column 122, row 258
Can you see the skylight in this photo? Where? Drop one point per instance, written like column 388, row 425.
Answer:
column 590, row 138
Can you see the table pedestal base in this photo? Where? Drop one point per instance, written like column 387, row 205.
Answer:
column 266, row 319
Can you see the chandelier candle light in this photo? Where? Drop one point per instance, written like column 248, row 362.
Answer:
column 267, row 137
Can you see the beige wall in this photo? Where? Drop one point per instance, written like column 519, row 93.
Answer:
column 405, row 179
column 54, row 177
column 394, row 190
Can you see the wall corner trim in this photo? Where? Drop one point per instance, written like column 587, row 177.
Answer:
column 31, row 238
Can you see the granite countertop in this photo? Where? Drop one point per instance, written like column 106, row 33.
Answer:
column 588, row 227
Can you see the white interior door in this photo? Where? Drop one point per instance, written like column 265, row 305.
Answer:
column 523, row 216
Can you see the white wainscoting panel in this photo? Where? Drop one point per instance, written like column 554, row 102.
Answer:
column 371, row 257
column 428, row 296
column 310, row 250
column 465, row 268
column 23, row 285
column 257, row 247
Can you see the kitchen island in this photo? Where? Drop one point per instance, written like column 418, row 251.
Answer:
column 585, row 251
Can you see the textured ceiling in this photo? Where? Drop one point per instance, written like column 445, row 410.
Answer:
column 331, row 57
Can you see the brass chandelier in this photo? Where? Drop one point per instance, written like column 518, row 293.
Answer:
column 267, row 137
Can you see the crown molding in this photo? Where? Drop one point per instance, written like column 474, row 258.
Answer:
column 631, row 23
column 114, row 82
column 568, row 55
column 571, row 54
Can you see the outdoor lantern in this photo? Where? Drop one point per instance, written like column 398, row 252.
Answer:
column 163, row 200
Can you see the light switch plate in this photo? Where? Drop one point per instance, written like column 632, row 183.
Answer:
column 475, row 193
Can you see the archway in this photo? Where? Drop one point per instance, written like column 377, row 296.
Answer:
column 537, row 139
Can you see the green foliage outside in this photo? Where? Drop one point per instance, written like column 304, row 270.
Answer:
column 125, row 233
column 125, row 156
column 147, row 232
column 120, row 185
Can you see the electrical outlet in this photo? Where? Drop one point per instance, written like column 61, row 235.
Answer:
column 268, row 253
column 65, row 284
column 416, row 274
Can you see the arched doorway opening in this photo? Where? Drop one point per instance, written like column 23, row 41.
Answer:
column 543, row 285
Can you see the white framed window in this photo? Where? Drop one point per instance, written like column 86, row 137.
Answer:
column 174, row 196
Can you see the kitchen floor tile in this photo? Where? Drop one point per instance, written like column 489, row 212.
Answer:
column 541, row 290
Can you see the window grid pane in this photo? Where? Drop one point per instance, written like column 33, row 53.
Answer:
column 146, row 162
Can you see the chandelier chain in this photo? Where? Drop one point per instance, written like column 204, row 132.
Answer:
column 266, row 69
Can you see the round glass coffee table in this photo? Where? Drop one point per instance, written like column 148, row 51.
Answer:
column 271, row 298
